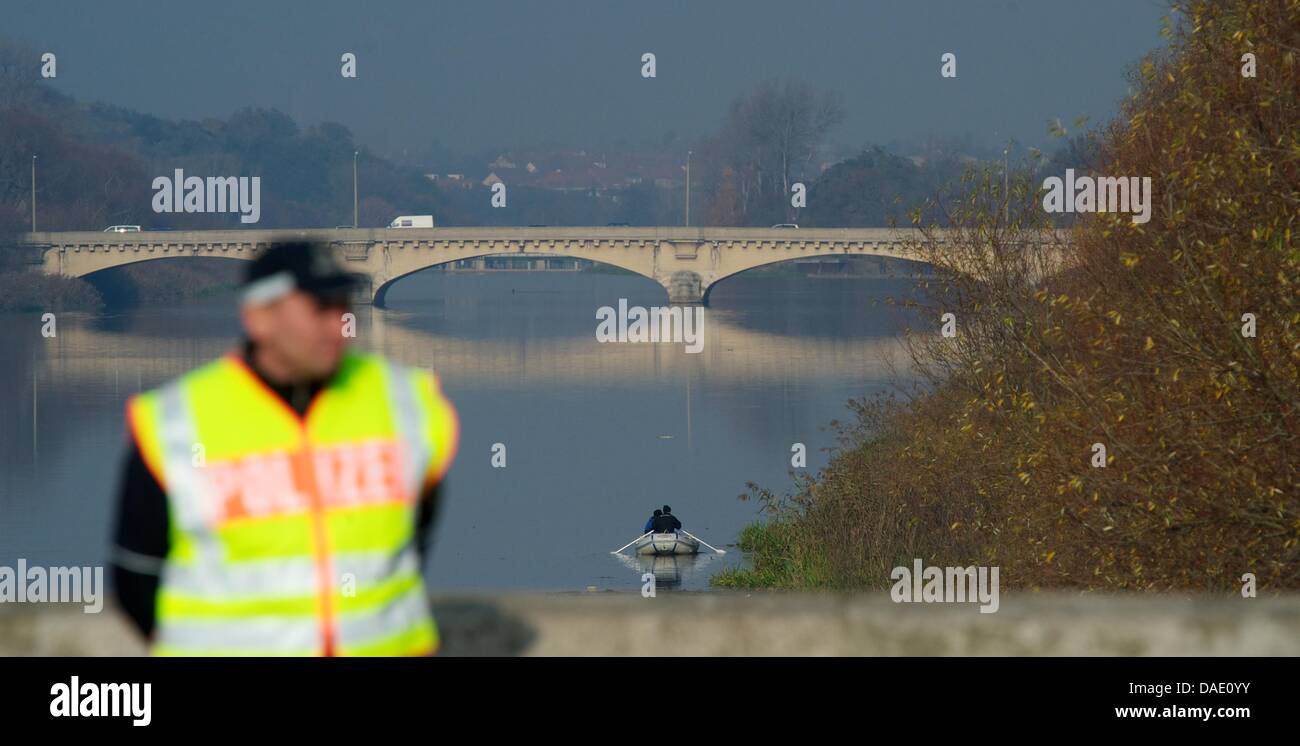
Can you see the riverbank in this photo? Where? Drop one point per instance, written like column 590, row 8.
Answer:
column 847, row 526
column 699, row 624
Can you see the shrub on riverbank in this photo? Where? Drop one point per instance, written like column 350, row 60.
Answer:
column 1137, row 339
column 145, row 283
column 169, row 281
column 29, row 291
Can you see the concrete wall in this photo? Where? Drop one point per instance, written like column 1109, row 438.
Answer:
column 622, row 624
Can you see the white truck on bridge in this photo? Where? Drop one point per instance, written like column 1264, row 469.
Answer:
column 412, row 221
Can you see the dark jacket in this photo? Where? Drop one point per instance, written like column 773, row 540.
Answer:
column 666, row 524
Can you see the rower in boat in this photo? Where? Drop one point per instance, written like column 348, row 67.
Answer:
column 650, row 522
column 665, row 522
column 664, row 535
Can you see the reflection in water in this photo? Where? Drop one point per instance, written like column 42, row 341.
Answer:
column 669, row 570
column 597, row 435
column 88, row 353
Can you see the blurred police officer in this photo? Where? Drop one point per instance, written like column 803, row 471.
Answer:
column 278, row 500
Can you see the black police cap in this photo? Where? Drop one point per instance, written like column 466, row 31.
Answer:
column 298, row 265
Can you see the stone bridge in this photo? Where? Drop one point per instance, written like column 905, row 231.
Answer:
column 687, row 262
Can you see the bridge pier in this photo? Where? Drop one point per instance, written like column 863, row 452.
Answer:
column 685, row 288
column 364, row 294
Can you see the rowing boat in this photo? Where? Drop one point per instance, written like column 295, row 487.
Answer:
column 669, row 543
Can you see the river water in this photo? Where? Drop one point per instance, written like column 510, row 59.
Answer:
column 596, row 435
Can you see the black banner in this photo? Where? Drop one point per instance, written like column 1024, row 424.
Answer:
column 921, row 695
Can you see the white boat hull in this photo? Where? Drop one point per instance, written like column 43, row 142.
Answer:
column 667, row 544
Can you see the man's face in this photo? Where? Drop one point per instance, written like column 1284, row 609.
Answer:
column 300, row 336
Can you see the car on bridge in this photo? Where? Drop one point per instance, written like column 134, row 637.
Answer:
column 122, row 229
column 785, row 225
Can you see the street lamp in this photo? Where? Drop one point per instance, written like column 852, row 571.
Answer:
column 33, row 194
column 688, row 189
column 354, row 187
column 1006, row 196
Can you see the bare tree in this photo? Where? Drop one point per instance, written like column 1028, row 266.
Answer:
column 768, row 138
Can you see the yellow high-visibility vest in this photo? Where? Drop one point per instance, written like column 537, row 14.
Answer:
column 294, row 535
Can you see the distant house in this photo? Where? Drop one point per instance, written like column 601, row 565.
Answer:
column 575, row 170
column 567, row 181
column 450, row 181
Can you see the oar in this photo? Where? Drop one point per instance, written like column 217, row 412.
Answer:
column 630, row 543
column 702, row 541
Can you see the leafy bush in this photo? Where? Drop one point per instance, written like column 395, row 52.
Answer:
column 1131, row 337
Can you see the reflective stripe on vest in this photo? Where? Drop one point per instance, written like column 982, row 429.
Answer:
column 294, row 536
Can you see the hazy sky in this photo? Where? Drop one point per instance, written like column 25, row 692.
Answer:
column 489, row 73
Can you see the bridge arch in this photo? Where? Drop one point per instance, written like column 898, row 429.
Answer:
column 93, row 273
column 888, row 256
column 382, row 284
column 87, row 260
